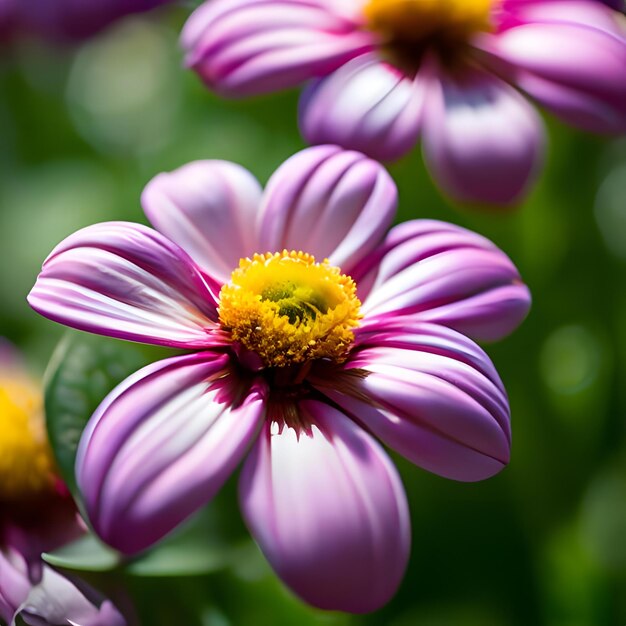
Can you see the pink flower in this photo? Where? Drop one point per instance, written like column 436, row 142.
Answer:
column 65, row 20
column 301, row 360
column 37, row 515
column 387, row 71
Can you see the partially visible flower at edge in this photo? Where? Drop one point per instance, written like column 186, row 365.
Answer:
column 386, row 72
column 37, row 514
column 65, row 20
column 287, row 360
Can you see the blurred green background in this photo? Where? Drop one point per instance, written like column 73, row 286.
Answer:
column 81, row 132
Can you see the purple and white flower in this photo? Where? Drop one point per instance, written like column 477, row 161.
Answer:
column 37, row 514
column 387, row 72
column 295, row 364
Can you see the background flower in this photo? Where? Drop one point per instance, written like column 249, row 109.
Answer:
column 37, row 515
column 388, row 71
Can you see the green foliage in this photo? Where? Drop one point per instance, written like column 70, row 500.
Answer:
column 83, row 370
column 204, row 545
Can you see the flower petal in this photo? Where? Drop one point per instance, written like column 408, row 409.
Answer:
column 208, row 208
column 438, row 272
column 482, row 141
column 330, row 203
column 127, row 281
column 14, row 583
column 328, row 510
column 162, row 444
column 366, row 105
column 244, row 47
column 50, row 601
column 432, row 395
column 56, row 600
column 582, row 12
column 576, row 71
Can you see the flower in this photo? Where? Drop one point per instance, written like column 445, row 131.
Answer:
column 65, row 20
column 386, row 71
column 311, row 330
column 37, row 514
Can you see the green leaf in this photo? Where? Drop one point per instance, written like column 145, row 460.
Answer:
column 83, row 370
column 196, row 549
column 207, row 543
column 86, row 554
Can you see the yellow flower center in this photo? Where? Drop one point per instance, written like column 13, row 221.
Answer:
column 289, row 309
column 26, row 465
column 409, row 27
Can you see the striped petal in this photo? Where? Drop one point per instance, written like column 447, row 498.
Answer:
column 52, row 600
column 438, row 272
column 14, row 583
column 589, row 13
column 244, row 47
column 329, row 202
column 574, row 70
column 432, row 395
column 208, row 208
column 162, row 444
column 328, row 510
column 127, row 281
column 57, row 601
column 483, row 142
column 366, row 105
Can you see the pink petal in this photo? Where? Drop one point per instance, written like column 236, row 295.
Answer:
column 127, row 281
column 243, row 47
column 162, row 444
column 366, row 105
column 56, row 600
column 328, row 202
column 208, row 208
column 430, row 394
column 588, row 13
column 437, row 272
column 14, row 583
column 576, row 71
column 483, row 142
column 328, row 510
column 52, row 600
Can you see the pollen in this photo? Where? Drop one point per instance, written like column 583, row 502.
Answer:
column 409, row 27
column 289, row 309
column 26, row 464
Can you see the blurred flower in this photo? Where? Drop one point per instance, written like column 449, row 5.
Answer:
column 389, row 70
column 37, row 514
column 289, row 361
column 65, row 20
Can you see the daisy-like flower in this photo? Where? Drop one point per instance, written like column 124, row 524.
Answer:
column 65, row 20
column 387, row 71
column 312, row 331
column 37, row 514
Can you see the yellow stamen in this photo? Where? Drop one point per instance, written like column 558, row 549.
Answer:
column 26, row 465
column 289, row 309
column 408, row 27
